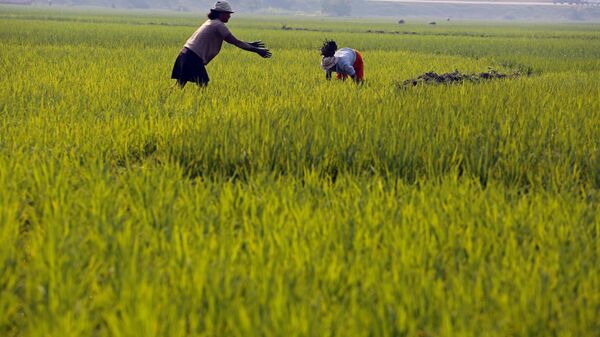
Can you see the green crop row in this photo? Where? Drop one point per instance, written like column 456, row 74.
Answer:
column 275, row 203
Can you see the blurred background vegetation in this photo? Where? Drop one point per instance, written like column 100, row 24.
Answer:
column 355, row 8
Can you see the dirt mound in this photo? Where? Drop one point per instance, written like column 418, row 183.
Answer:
column 286, row 27
column 454, row 77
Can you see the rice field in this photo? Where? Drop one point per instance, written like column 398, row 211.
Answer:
column 275, row 203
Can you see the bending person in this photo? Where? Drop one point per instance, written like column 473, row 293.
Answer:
column 345, row 62
column 206, row 43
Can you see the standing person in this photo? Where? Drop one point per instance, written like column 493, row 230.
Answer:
column 206, row 43
column 345, row 62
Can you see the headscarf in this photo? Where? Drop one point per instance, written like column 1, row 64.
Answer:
column 328, row 62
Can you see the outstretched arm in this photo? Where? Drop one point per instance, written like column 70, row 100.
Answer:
column 255, row 47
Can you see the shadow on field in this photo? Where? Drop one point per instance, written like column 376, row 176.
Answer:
column 477, row 161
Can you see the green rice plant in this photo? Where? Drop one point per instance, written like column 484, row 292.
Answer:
column 275, row 203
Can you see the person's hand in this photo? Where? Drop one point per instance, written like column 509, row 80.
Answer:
column 264, row 52
column 257, row 44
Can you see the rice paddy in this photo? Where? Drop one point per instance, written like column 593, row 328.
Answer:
column 275, row 203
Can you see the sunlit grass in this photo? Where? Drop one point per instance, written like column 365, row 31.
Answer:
column 275, row 203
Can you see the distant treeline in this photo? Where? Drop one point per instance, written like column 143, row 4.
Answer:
column 402, row 12
column 329, row 7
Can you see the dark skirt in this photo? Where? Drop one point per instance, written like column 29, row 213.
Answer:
column 189, row 68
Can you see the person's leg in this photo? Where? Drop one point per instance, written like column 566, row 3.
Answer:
column 202, row 78
column 200, row 84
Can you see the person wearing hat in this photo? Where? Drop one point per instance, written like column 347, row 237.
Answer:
column 206, row 43
column 346, row 62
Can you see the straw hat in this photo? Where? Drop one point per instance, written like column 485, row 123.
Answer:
column 222, row 6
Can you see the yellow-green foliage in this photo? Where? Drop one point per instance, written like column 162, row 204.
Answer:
column 275, row 203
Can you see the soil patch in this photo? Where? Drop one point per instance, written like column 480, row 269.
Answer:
column 286, row 27
column 454, row 77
